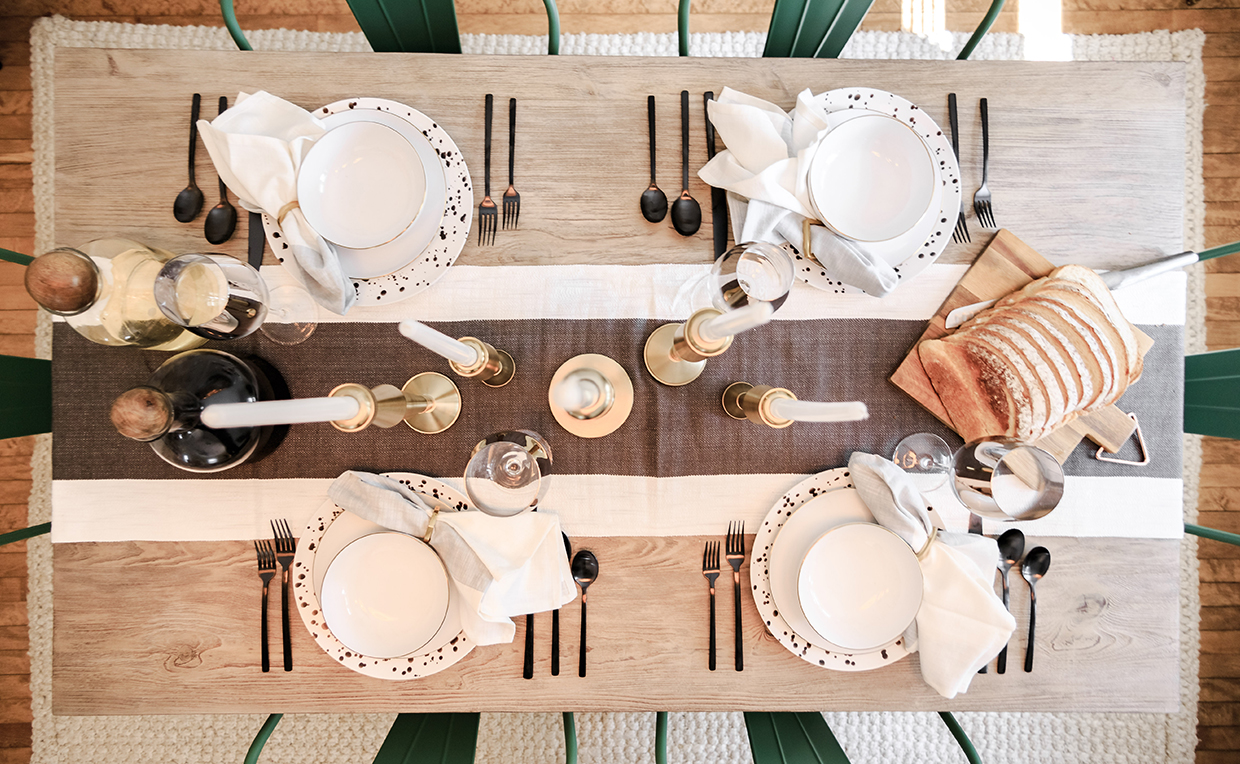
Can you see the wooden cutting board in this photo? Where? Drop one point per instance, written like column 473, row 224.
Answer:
column 1006, row 265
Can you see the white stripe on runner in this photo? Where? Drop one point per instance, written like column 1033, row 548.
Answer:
column 672, row 292
column 590, row 505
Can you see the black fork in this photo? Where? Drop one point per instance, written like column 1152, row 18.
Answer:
column 266, row 571
column 286, row 547
column 512, row 200
column 735, row 553
column 487, row 217
column 710, row 569
column 961, row 234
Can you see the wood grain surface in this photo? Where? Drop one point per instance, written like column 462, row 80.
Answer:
column 159, row 627
column 1090, row 173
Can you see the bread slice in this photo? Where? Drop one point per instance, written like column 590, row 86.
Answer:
column 1080, row 384
column 1122, row 335
column 1097, row 327
column 1031, row 404
column 1046, row 379
column 974, row 385
column 1050, row 353
column 1094, row 359
column 1101, row 293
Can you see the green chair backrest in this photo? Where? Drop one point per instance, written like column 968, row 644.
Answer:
column 405, row 26
column 805, row 738
column 1212, row 393
column 25, row 396
column 821, row 28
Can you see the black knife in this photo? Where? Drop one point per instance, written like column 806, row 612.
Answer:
column 258, row 240
column 718, row 197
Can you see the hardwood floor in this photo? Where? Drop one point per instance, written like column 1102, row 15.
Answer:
column 1219, row 710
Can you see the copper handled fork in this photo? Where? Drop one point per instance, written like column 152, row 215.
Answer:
column 266, row 571
column 286, row 547
column 961, row 234
column 735, row 553
column 710, row 569
column 512, row 200
column 487, row 217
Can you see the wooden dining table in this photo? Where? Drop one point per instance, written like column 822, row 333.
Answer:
column 1087, row 165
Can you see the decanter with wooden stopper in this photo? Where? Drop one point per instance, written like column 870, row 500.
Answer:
column 105, row 290
column 166, row 411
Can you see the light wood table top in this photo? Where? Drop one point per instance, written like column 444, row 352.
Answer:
column 1087, row 165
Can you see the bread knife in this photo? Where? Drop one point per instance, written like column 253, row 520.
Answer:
column 1114, row 279
column 718, row 197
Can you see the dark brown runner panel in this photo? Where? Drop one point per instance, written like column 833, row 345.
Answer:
column 671, row 432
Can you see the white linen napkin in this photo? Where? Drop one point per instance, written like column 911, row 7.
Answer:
column 501, row 566
column 257, row 147
column 766, row 163
column 962, row 623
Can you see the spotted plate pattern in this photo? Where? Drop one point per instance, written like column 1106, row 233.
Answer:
column 760, row 580
column 307, row 601
column 458, row 214
column 921, row 254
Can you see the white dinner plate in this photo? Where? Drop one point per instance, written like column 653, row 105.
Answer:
column 412, row 243
column 817, row 516
column 321, row 536
column 871, row 178
column 385, row 594
column 912, row 252
column 446, row 243
column 805, row 647
column 361, row 185
column 860, row 586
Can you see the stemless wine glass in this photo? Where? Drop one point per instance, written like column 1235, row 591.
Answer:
column 926, row 458
column 507, row 471
column 287, row 316
column 213, row 296
column 1005, row 479
column 752, row 272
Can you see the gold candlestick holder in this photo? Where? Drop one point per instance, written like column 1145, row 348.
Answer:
column 494, row 367
column 429, row 403
column 613, row 406
column 742, row 400
column 676, row 353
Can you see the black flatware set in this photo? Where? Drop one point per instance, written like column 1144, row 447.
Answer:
column 686, row 212
column 221, row 220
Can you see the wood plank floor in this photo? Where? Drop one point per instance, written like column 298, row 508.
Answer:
column 1219, row 713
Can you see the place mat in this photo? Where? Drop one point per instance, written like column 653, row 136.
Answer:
column 609, row 737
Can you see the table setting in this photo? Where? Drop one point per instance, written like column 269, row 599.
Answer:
column 624, row 351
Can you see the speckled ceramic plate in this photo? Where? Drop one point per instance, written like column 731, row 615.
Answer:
column 927, row 240
column 445, row 246
column 441, row 652
column 760, row 580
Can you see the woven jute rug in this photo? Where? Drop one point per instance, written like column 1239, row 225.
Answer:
column 717, row 738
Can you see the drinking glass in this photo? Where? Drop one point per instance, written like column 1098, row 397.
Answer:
column 753, row 272
column 288, row 302
column 507, row 471
column 1005, row 479
column 213, row 296
column 926, row 458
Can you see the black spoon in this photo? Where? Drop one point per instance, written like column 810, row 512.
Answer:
column 654, row 201
column 686, row 213
column 1036, row 563
column 1011, row 547
column 189, row 202
column 555, row 619
column 222, row 219
column 585, row 571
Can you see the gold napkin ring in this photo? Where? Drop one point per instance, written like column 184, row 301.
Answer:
column 921, row 554
column 430, row 525
column 285, row 210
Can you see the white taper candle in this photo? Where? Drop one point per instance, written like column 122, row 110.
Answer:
column 439, row 343
column 574, row 394
column 295, row 411
column 811, row 411
column 723, row 326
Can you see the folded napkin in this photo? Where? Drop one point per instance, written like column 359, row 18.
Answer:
column 257, row 147
column 766, row 164
column 501, row 566
column 962, row 624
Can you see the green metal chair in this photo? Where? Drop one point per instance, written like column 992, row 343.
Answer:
column 821, row 28
column 26, row 399
column 424, row 739
column 805, row 738
column 405, row 26
column 1212, row 393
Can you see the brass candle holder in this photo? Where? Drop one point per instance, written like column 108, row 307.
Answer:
column 742, row 400
column 676, row 354
column 494, row 367
column 607, row 410
column 429, row 403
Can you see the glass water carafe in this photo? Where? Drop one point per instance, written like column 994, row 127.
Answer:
column 165, row 411
column 105, row 290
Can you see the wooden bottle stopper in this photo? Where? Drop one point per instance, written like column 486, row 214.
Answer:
column 63, row 281
column 142, row 413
